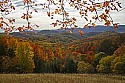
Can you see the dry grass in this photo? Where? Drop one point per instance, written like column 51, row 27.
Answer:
column 61, row 78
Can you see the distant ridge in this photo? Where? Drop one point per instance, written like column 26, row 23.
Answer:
column 59, row 35
column 121, row 29
column 88, row 31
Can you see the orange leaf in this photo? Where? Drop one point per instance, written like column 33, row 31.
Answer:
column 107, row 11
column 5, row 2
column 55, row 24
column 74, row 19
column 94, row 25
column 106, row 3
column 78, row 1
column 12, row 7
column 101, row 16
column 30, row 16
column 86, row 26
column 11, row 21
column 4, row 23
column 70, row 31
column 107, row 22
column 85, row 2
column 23, row 17
column 1, row 18
column 115, row 26
column 1, row 25
column 92, row 9
column 48, row 13
column 93, row 17
column 1, row 3
column 56, row 11
column 20, row 29
column 81, row 32
column 52, row 13
column 24, row 1
column 35, row 10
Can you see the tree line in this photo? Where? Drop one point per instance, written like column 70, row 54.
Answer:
column 99, row 56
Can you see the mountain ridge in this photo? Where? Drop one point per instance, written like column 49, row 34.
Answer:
column 99, row 28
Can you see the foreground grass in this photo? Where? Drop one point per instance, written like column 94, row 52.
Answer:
column 61, row 78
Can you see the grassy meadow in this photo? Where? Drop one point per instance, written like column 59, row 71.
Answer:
column 61, row 78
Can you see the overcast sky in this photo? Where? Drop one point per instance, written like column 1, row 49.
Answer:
column 44, row 21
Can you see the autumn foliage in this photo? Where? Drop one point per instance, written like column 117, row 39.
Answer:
column 84, row 7
column 88, row 55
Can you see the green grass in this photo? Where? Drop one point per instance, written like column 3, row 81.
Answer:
column 61, row 78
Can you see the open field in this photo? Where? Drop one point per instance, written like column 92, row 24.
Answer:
column 61, row 78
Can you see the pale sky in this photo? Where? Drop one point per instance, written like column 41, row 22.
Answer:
column 44, row 21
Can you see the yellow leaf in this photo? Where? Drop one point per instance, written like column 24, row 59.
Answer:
column 100, row 5
column 30, row 16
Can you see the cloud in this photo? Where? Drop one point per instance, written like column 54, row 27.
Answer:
column 44, row 21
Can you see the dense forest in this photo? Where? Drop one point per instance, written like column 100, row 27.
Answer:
column 63, row 53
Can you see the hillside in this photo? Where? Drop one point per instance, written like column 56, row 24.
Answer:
column 64, row 35
column 62, row 52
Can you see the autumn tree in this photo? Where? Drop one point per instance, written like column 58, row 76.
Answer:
column 98, row 57
column 118, row 63
column 120, row 51
column 107, row 46
column 83, row 67
column 105, row 64
column 119, row 40
column 119, row 68
column 24, row 58
column 38, row 58
column 8, row 47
